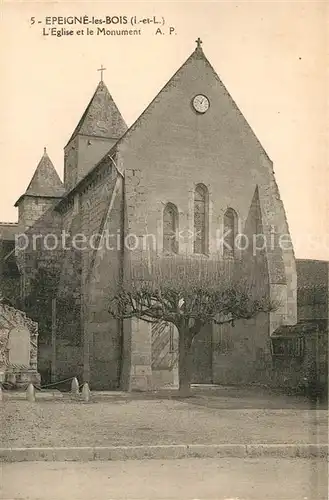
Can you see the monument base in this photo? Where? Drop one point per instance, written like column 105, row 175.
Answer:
column 18, row 349
column 20, row 378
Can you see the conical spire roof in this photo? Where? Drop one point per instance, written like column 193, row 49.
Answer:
column 45, row 181
column 101, row 118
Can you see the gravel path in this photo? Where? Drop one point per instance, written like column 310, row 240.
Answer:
column 135, row 422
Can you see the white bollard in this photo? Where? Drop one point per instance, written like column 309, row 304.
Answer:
column 85, row 392
column 30, row 393
column 75, row 386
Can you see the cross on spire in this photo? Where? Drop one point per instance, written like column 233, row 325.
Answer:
column 101, row 69
column 198, row 43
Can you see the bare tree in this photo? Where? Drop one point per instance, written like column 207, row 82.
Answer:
column 188, row 294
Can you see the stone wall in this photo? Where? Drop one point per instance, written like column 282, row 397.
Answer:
column 103, row 334
column 71, row 164
column 88, row 276
column 91, row 151
column 313, row 291
column 9, row 273
column 69, row 362
column 88, row 341
column 37, row 248
column 31, row 208
column 81, row 156
column 242, row 353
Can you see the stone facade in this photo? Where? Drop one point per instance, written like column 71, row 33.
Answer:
column 219, row 150
column 118, row 182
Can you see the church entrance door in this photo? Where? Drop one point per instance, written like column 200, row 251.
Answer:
column 202, row 357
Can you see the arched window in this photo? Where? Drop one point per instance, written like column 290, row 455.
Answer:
column 200, row 219
column 230, row 232
column 170, row 227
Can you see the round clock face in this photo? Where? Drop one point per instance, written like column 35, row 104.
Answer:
column 200, row 103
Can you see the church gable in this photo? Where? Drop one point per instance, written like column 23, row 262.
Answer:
column 193, row 133
column 173, row 140
column 178, row 114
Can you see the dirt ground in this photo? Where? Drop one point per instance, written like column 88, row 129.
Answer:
column 207, row 418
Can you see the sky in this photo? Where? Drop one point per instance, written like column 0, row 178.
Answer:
column 271, row 56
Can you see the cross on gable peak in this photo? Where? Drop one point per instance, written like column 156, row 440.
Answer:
column 101, row 69
column 198, row 43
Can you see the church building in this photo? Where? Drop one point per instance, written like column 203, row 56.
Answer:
column 189, row 165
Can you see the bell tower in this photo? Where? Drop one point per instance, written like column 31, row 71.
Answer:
column 99, row 128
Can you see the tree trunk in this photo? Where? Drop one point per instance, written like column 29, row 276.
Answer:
column 184, row 364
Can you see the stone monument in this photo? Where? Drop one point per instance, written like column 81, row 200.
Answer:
column 18, row 348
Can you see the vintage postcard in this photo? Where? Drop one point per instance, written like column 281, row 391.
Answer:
column 164, row 250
